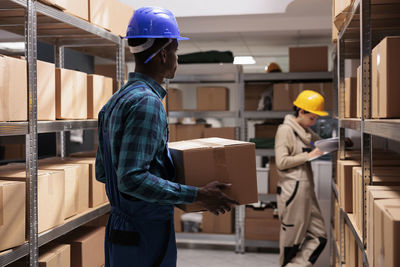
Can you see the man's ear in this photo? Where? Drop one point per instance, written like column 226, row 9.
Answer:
column 163, row 56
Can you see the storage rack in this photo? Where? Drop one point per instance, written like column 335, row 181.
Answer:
column 37, row 21
column 365, row 25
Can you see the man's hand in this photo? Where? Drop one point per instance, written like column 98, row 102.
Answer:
column 315, row 153
column 212, row 197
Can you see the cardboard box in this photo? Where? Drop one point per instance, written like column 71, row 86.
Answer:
column 177, row 219
column 100, row 13
column 391, row 230
column 283, row 96
column 99, row 91
column 12, row 214
column 212, row 98
column 221, row 224
column 120, row 22
column 175, row 99
column 46, row 92
column 350, row 98
column 87, row 246
column 262, row 229
column 76, row 185
column 223, row 132
column 358, row 104
column 182, row 132
column 351, row 248
column 71, row 94
column 50, row 256
column 50, row 195
column 382, row 240
column 265, row 130
column 253, row 94
column 13, row 89
column 99, row 221
column 308, row 59
column 76, row 8
column 201, row 161
column 345, row 183
column 12, row 151
column 108, row 71
column 375, row 193
column 385, row 78
column 273, row 176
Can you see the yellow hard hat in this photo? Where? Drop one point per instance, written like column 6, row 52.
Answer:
column 311, row 101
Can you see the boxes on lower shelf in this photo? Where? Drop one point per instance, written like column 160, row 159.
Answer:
column 265, row 130
column 71, row 94
column 87, row 246
column 13, row 89
column 50, row 190
column 175, row 99
column 351, row 248
column 99, row 90
column 212, row 98
column 182, row 132
column 261, row 225
column 53, row 255
column 76, row 198
column 12, row 214
column 201, row 161
column 221, row 224
column 253, row 94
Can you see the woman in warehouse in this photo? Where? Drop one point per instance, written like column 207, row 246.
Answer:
column 302, row 234
column 133, row 157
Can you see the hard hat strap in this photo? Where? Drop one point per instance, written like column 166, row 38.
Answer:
column 140, row 48
column 158, row 51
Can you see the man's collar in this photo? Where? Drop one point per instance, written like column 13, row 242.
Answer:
column 157, row 88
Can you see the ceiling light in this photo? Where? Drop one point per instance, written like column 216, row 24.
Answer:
column 13, row 46
column 244, row 60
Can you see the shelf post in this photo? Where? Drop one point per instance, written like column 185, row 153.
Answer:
column 32, row 136
column 120, row 62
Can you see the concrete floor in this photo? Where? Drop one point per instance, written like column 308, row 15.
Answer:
column 206, row 257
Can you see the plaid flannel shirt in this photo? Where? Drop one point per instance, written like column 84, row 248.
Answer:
column 138, row 130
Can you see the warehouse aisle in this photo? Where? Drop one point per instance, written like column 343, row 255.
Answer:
column 220, row 258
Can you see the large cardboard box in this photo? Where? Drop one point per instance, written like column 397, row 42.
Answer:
column 53, row 255
column 382, row 240
column 76, row 185
column 253, row 94
column 12, row 214
column 13, row 89
column 119, row 22
column 182, row 132
column 71, row 94
column 375, row 193
column 76, row 8
column 345, row 183
column 350, row 98
column 351, row 248
column 223, row 132
column 385, row 78
column 261, row 225
column 100, row 13
column 87, row 246
column 46, row 91
column 201, row 161
column 99, row 90
column 221, row 224
column 265, row 130
column 391, row 233
column 50, row 188
column 175, row 99
column 308, row 59
column 212, row 98
column 283, row 96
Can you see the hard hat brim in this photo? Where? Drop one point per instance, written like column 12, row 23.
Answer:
column 179, row 38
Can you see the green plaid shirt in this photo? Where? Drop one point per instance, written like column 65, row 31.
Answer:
column 138, row 130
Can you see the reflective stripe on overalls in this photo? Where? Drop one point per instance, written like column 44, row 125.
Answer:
column 138, row 233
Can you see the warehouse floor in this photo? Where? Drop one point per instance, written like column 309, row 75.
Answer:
column 188, row 257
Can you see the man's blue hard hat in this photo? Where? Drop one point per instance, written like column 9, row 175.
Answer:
column 153, row 22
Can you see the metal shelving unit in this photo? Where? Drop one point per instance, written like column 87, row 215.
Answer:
column 37, row 21
column 364, row 26
column 287, row 76
column 203, row 114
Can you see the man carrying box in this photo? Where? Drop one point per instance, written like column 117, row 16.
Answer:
column 133, row 159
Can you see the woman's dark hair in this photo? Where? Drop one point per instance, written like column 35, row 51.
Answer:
column 297, row 110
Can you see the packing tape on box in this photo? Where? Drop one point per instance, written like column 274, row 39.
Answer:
column 1, row 206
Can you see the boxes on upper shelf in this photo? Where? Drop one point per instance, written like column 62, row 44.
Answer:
column 181, row 132
column 13, row 89
column 71, row 94
column 385, row 79
column 76, row 8
column 50, row 186
column 46, row 92
column 222, row 132
column 12, row 215
column 350, row 98
column 308, row 59
column 201, row 161
column 175, row 99
column 120, row 17
column 100, row 13
column 212, row 98
column 265, row 130
column 99, row 90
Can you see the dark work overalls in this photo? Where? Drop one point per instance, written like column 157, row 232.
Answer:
column 138, row 233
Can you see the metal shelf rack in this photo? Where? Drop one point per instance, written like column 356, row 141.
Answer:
column 37, row 21
column 288, row 76
column 364, row 25
column 203, row 114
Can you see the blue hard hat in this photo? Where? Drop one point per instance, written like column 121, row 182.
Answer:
column 153, row 22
